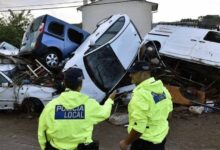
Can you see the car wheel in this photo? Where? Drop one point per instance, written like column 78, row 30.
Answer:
column 32, row 105
column 150, row 53
column 51, row 59
column 151, row 50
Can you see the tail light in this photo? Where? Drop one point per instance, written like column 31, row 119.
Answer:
column 41, row 28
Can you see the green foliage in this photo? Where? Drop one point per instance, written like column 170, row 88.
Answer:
column 210, row 19
column 13, row 26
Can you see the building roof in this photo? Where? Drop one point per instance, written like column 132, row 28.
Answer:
column 101, row 2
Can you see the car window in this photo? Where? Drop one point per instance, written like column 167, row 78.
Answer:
column 36, row 23
column 75, row 36
column 109, row 34
column 104, row 68
column 3, row 80
column 213, row 37
column 56, row 28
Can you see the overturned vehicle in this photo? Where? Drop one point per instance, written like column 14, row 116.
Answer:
column 106, row 55
column 187, row 60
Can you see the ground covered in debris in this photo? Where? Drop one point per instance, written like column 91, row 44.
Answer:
column 188, row 132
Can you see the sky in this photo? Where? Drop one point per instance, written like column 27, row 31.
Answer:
column 175, row 10
column 168, row 10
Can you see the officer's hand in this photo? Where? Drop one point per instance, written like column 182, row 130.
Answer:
column 123, row 145
column 112, row 95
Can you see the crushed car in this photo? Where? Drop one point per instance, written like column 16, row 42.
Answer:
column 106, row 55
column 187, row 59
column 30, row 96
column 25, row 85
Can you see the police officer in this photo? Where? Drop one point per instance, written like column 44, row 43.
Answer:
column 148, row 111
column 68, row 120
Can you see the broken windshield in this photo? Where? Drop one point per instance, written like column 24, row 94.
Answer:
column 104, row 68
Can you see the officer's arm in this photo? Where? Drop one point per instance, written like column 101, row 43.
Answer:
column 101, row 112
column 132, row 136
column 42, row 130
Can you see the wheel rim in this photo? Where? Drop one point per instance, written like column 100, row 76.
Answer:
column 52, row 60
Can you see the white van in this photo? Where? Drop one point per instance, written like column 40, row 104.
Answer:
column 106, row 55
column 188, row 60
column 187, row 43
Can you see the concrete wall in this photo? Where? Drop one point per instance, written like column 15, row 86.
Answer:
column 139, row 11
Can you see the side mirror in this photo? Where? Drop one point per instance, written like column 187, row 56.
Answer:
column 5, row 84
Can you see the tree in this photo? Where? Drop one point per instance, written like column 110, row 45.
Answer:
column 13, row 26
column 210, row 19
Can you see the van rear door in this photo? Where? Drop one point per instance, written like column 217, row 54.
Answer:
column 32, row 33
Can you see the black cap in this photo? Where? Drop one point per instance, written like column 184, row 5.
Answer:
column 73, row 75
column 139, row 66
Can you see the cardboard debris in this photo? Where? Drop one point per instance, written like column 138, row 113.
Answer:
column 179, row 98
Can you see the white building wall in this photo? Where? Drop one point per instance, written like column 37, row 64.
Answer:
column 140, row 13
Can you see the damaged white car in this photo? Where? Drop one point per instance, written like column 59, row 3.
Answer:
column 189, row 59
column 31, row 97
column 8, row 49
column 106, row 55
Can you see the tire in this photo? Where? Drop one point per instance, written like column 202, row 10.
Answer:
column 151, row 50
column 150, row 53
column 51, row 59
column 32, row 105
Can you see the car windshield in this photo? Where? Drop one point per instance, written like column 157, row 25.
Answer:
column 109, row 34
column 104, row 68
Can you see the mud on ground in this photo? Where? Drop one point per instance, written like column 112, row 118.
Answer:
column 187, row 132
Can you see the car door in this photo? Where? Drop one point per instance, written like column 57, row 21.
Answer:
column 7, row 96
column 74, row 37
column 207, row 50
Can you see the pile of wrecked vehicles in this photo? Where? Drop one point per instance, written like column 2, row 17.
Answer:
column 106, row 54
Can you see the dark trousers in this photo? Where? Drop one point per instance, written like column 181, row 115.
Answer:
column 140, row 144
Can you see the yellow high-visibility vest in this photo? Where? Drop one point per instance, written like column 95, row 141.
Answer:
column 149, row 109
column 69, row 119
